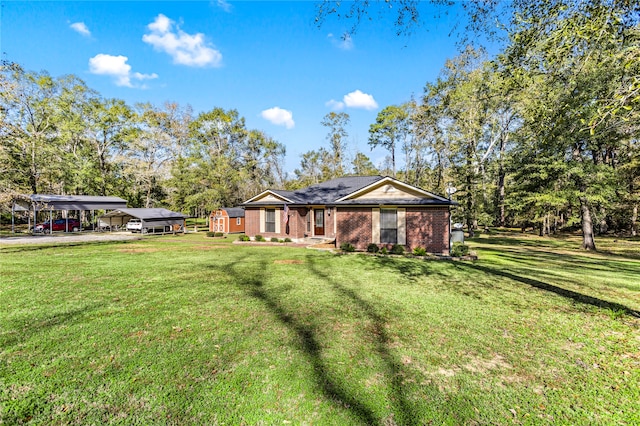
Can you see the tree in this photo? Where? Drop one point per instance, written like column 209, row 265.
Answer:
column 29, row 133
column 392, row 126
column 336, row 123
column 565, row 57
column 362, row 165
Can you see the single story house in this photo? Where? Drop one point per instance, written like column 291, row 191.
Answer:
column 155, row 220
column 359, row 210
column 227, row 219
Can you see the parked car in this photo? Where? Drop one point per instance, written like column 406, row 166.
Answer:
column 134, row 225
column 58, row 225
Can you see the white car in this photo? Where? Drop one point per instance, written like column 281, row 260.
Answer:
column 134, row 225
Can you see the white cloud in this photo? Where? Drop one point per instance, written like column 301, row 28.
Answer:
column 335, row 105
column 80, row 28
column 279, row 116
column 185, row 49
column 117, row 67
column 357, row 99
column 224, row 5
column 345, row 42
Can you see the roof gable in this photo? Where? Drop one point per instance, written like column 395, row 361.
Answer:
column 352, row 190
column 390, row 189
column 269, row 196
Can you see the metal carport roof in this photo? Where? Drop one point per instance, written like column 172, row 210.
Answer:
column 147, row 215
column 41, row 202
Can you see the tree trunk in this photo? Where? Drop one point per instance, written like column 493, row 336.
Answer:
column 602, row 226
column 588, row 242
column 501, row 176
column 634, row 218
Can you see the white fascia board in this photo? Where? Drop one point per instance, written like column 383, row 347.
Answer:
column 388, row 179
column 267, row 192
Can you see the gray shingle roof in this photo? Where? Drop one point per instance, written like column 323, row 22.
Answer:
column 234, row 211
column 330, row 191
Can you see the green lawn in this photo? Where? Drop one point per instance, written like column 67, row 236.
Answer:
column 188, row 329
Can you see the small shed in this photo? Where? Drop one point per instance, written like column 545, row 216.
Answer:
column 227, row 219
column 158, row 221
column 49, row 203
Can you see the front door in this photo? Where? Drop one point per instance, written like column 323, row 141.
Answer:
column 318, row 228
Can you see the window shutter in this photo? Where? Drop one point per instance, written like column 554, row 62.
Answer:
column 278, row 220
column 261, row 220
column 375, row 226
column 402, row 227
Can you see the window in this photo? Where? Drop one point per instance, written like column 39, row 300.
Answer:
column 270, row 220
column 238, row 221
column 309, row 221
column 388, row 226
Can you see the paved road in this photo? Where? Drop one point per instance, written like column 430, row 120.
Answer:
column 71, row 238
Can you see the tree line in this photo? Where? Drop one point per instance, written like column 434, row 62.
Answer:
column 544, row 134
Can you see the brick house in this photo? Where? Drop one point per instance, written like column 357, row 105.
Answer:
column 358, row 209
column 227, row 219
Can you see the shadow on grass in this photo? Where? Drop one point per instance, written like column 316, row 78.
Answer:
column 19, row 248
column 404, row 411
column 21, row 329
column 569, row 294
column 332, row 387
column 421, row 269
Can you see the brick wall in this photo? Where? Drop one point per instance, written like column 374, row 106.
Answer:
column 251, row 221
column 354, row 227
column 297, row 224
column 426, row 227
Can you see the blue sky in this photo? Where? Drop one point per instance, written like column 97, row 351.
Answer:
column 266, row 59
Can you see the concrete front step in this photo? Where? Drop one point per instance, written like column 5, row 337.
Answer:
column 318, row 240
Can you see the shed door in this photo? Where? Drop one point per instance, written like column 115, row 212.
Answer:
column 318, row 228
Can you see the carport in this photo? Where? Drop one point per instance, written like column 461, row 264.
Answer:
column 158, row 221
column 46, row 202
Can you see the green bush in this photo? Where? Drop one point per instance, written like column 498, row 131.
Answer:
column 397, row 249
column 419, row 251
column 287, row 240
column 259, row 238
column 383, row 250
column 373, row 248
column 459, row 250
column 347, row 247
column 211, row 234
column 244, row 238
column 219, row 234
column 274, row 240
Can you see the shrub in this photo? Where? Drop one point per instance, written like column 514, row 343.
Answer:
column 219, row 234
column 373, row 248
column 287, row 240
column 274, row 240
column 459, row 250
column 259, row 238
column 397, row 249
column 383, row 250
column 244, row 238
column 211, row 234
column 347, row 247
column 419, row 251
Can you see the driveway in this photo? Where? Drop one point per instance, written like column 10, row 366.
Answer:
column 70, row 238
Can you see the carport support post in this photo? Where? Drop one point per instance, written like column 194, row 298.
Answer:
column 50, row 221
column 13, row 226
